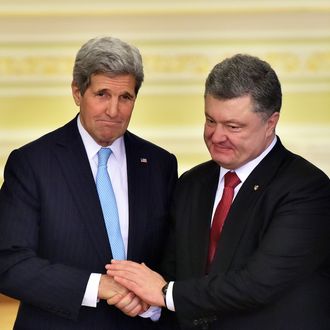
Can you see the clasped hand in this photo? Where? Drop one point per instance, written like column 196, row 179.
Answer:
column 119, row 296
column 140, row 279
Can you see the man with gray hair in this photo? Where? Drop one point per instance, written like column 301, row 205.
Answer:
column 251, row 237
column 81, row 195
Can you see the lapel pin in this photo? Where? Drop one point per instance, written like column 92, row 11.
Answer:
column 143, row 160
column 256, row 187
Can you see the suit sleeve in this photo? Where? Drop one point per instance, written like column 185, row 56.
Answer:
column 293, row 245
column 24, row 274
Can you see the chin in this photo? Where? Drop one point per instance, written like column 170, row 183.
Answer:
column 105, row 140
column 222, row 162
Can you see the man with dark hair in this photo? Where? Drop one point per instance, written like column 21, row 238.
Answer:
column 251, row 238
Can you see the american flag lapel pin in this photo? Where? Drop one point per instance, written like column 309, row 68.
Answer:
column 143, row 160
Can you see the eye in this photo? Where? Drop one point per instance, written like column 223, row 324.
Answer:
column 101, row 93
column 209, row 121
column 234, row 127
column 127, row 97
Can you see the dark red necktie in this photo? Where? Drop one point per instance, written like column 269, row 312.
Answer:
column 231, row 181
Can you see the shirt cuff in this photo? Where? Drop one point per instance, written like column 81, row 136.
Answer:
column 153, row 312
column 169, row 297
column 90, row 298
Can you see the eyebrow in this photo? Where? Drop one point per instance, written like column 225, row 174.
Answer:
column 106, row 90
column 129, row 94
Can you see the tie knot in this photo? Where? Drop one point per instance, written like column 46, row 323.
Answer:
column 104, row 154
column 231, row 179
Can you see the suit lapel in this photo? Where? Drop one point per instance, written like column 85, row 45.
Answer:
column 242, row 209
column 138, row 193
column 73, row 161
column 201, row 212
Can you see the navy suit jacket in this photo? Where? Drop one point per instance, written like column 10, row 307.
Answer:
column 52, row 232
column 272, row 267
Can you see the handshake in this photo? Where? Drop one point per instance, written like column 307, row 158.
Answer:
column 131, row 287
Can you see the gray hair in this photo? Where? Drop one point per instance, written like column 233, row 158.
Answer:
column 242, row 75
column 109, row 56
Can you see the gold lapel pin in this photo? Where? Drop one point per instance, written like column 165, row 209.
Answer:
column 256, row 187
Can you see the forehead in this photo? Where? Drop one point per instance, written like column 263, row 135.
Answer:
column 104, row 81
column 235, row 106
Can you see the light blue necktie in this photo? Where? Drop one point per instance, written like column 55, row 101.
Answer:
column 109, row 205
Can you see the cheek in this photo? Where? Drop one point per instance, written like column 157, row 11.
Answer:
column 249, row 147
column 240, row 144
column 207, row 133
column 207, row 140
column 127, row 113
column 88, row 114
column 91, row 109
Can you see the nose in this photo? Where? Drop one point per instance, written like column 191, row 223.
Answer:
column 112, row 107
column 218, row 134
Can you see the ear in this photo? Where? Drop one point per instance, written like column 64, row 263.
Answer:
column 75, row 93
column 272, row 122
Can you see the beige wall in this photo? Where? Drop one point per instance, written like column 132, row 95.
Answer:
column 180, row 41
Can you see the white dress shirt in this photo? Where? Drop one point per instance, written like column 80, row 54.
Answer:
column 242, row 172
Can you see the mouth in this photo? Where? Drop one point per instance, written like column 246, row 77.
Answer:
column 222, row 147
column 109, row 121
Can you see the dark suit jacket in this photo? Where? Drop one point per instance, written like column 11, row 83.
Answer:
column 271, row 270
column 52, row 233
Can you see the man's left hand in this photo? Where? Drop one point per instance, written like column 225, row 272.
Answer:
column 140, row 279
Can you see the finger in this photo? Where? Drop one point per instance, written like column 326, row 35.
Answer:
column 128, row 306
column 136, row 311
column 133, row 277
column 114, row 299
column 125, row 264
column 125, row 300
column 123, row 269
column 129, row 267
column 130, row 285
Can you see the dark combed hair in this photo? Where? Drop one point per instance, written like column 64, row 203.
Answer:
column 242, row 75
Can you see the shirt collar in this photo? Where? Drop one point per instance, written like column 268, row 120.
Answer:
column 244, row 171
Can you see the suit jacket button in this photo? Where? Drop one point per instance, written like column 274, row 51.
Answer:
column 196, row 322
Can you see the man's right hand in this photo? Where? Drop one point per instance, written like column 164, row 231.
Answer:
column 109, row 288
column 117, row 295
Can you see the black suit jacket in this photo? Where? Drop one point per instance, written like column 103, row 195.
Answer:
column 52, row 232
column 271, row 270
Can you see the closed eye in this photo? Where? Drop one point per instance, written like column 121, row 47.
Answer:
column 209, row 121
column 101, row 93
column 127, row 97
column 234, row 128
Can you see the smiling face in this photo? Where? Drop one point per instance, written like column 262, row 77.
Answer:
column 106, row 106
column 233, row 133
